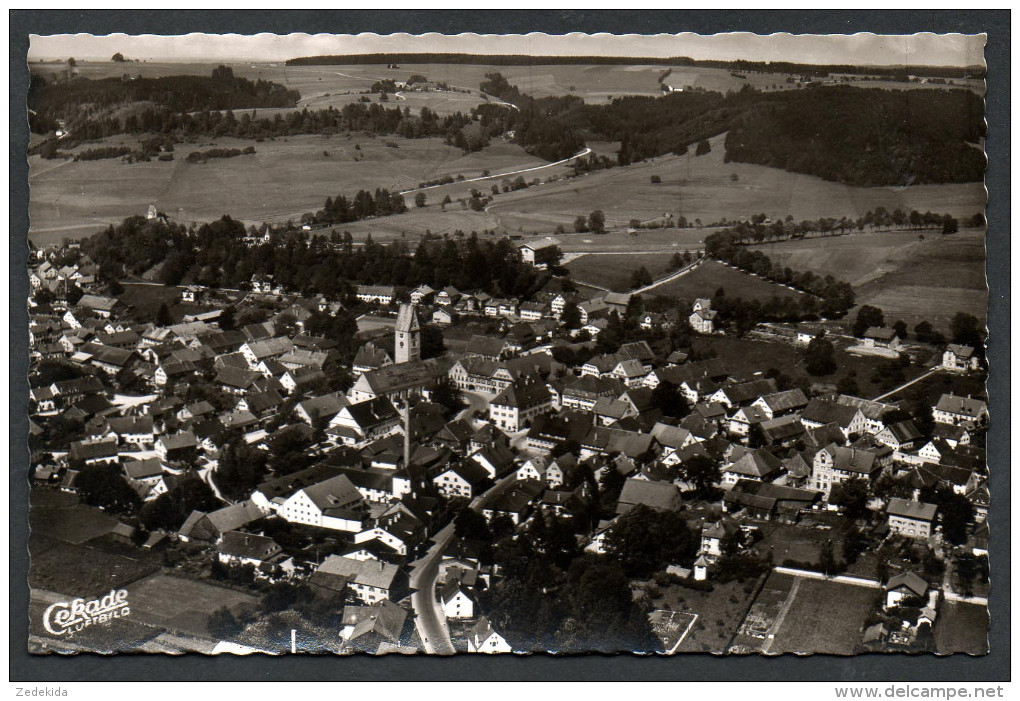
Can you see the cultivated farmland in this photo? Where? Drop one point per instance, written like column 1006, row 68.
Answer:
column 702, row 187
column 706, row 279
column 825, row 617
column 907, row 277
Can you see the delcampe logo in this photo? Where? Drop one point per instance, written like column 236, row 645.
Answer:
column 78, row 614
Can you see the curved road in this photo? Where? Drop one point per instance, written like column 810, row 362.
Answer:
column 429, row 619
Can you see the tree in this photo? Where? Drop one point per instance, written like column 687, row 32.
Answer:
column 852, row 496
column 471, row 524
column 703, row 148
column 966, row 330
column 956, row 514
column 644, row 541
column 640, row 278
column 222, row 624
column 432, row 343
column 949, row 224
column 867, row 317
column 819, row 357
column 240, row 469
column 700, row 471
column 597, row 221
column 848, row 385
column 571, row 316
column 103, row 486
column 581, row 224
column 419, row 199
column 446, row 393
column 900, row 327
column 827, row 559
column 169, row 510
column 163, row 317
column 667, row 398
column 118, row 57
column 656, row 179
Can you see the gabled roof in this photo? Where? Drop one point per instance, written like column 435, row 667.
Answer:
column 852, row 459
column 661, row 496
column 335, row 493
column 910, row 580
column 916, row 510
column 821, row 411
column 756, row 463
column 372, row 412
column 960, row 351
column 964, row 406
column 247, row 545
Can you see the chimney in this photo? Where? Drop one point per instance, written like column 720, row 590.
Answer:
column 407, row 436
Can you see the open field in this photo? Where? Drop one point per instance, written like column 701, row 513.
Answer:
column 85, row 571
column 719, row 613
column 825, row 617
column 907, row 277
column 708, row 277
column 182, row 605
column 282, row 180
column 701, row 187
column 67, row 521
column 749, row 356
column 962, row 628
column 614, row 270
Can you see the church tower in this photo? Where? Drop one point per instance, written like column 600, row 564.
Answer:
column 407, row 335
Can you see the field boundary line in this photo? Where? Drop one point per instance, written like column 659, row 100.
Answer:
column 581, row 154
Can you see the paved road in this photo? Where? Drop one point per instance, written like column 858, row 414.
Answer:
column 669, row 278
column 478, row 405
column 585, row 152
column 905, row 385
column 429, row 619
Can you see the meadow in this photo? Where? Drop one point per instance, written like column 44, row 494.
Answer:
column 614, row 270
column 962, row 627
column 825, row 617
column 709, row 277
column 710, row 189
column 281, row 181
column 908, row 277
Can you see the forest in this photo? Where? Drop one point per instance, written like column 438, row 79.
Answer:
column 856, row 136
column 68, row 100
column 217, row 255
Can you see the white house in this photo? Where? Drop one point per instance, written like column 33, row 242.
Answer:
column 456, row 603
column 702, row 318
column 959, row 358
column 960, row 411
column 482, row 638
column 334, row 503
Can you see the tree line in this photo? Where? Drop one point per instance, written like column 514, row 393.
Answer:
column 217, row 254
column 852, row 135
column 177, row 93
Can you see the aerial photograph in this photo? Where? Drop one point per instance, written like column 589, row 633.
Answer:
column 433, row 344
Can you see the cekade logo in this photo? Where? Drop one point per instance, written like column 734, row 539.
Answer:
column 78, row 614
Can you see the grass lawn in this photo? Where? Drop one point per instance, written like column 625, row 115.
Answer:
column 825, row 617
column 748, row 356
column 72, row 523
column 80, row 570
column 146, row 299
column 614, row 271
column 962, row 627
column 708, row 277
column 719, row 611
column 180, row 604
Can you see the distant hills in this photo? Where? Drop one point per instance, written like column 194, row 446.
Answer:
column 739, row 65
